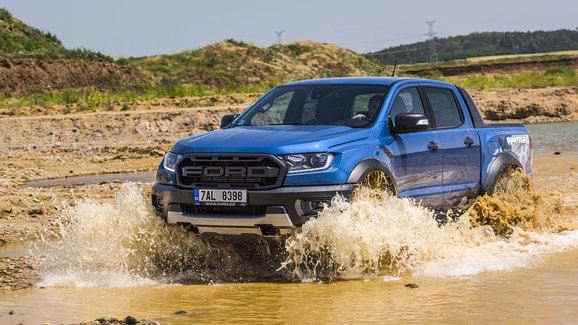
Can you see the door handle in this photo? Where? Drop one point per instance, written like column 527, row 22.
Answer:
column 468, row 141
column 432, row 146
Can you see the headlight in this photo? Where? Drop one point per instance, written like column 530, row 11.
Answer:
column 307, row 162
column 170, row 161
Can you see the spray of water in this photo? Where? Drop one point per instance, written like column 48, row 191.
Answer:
column 514, row 203
column 123, row 243
column 119, row 244
column 378, row 234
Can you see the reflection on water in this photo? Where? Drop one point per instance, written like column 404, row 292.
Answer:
column 552, row 137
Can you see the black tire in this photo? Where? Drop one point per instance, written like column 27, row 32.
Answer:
column 375, row 185
column 510, row 178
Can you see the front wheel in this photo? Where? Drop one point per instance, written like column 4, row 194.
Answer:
column 374, row 184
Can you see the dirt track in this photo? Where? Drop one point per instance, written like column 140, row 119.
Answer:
column 45, row 147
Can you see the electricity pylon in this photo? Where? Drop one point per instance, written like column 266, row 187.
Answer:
column 279, row 34
column 433, row 53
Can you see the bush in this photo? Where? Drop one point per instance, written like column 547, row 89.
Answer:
column 561, row 70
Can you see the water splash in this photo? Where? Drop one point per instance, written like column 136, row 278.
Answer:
column 378, row 235
column 514, row 203
column 121, row 244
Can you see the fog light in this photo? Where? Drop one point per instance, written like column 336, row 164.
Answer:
column 314, row 206
column 269, row 230
column 157, row 202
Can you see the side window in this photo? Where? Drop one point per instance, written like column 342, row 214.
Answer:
column 444, row 107
column 273, row 112
column 407, row 101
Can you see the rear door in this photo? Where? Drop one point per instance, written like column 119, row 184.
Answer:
column 417, row 160
column 460, row 146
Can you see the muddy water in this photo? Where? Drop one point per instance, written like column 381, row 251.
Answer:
column 545, row 293
column 552, row 137
column 350, row 265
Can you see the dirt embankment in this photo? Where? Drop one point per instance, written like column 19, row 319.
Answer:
column 525, row 105
column 164, row 104
column 528, row 105
column 21, row 76
column 493, row 67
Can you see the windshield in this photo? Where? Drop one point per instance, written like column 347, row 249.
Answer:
column 347, row 105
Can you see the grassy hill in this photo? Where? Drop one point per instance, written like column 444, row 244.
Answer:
column 19, row 40
column 232, row 64
column 481, row 44
column 37, row 70
column 222, row 68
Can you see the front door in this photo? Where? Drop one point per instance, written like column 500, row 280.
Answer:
column 417, row 160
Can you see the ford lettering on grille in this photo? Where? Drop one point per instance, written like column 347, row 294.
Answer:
column 229, row 171
column 242, row 171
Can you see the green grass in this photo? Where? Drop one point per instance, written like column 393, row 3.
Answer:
column 555, row 76
column 18, row 40
column 88, row 100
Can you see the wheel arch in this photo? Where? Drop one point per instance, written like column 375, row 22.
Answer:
column 367, row 166
column 499, row 165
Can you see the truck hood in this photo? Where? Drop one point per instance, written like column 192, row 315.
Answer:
column 277, row 139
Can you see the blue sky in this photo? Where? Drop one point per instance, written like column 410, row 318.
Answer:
column 144, row 27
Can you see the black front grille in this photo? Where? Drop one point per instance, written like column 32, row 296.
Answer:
column 230, row 171
column 255, row 210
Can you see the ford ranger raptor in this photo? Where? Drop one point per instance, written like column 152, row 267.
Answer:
column 271, row 168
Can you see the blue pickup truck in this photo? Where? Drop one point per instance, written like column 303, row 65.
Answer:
column 274, row 166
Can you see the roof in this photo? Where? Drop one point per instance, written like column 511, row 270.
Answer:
column 386, row 81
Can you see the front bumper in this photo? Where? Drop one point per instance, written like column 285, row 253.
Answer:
column 268, row 212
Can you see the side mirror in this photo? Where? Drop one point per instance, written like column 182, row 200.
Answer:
column 227, row 119
column 408, row 122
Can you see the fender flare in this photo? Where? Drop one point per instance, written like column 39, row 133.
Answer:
column 367, row 166
column 499, row 165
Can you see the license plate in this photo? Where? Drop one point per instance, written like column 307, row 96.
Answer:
column 220, row 197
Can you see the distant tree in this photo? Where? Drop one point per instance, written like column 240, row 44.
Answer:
column 481, row 44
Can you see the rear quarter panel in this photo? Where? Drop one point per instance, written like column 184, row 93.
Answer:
column 498, row 139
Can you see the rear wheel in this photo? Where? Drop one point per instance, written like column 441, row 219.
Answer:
column 511, row 180
column 510, row 202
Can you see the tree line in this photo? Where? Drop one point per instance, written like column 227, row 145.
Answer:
column 479, row 44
